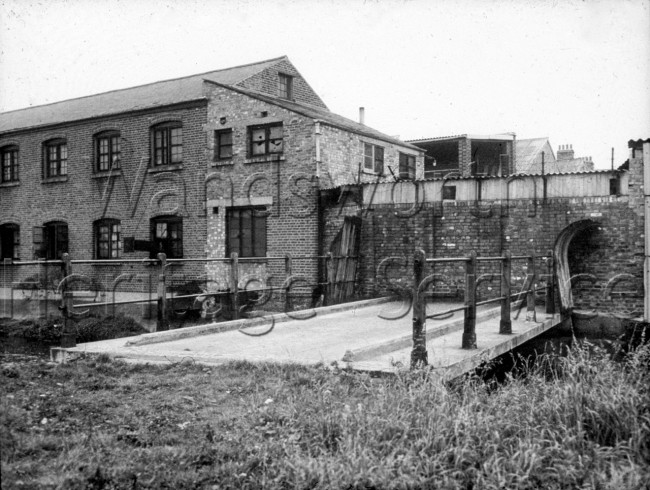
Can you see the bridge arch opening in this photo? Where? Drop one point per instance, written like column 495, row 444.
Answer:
column 576, row 248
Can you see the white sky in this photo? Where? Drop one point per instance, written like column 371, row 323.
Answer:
column 578, row 72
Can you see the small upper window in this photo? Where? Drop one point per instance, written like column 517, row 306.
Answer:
column 285, row 86
column 56, row 158
column 107, row 151
column 265, row 140
column 223, row 144
column 9, row 241
column 373, row 158
column 108, row 239
column 9, row 163
column 167, row 144
column 406, row 166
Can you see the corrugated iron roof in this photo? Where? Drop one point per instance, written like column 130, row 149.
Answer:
column 639, row 142
column 154, row 94
column 497, row 136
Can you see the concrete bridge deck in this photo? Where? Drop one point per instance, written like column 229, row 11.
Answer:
column 353, row 335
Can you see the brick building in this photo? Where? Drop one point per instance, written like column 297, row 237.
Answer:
column 227, row 161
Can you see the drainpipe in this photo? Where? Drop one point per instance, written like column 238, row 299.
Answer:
column 320, row 225
column 317, row 134
column 646, row 231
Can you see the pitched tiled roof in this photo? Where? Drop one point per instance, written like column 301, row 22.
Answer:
column 527, row 151
column 117, row 101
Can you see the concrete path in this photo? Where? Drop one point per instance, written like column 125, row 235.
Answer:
column 370, row 335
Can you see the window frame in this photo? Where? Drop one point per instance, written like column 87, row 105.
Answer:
column 285, row 86
column 373, row 158
column 60, row 160
column 10, row 234
column 114, row 247
column 407, row 166
column 167, row 146
column 113, row 154
column 219, row 144
column 268, row 128
column 51, row 240
column 255, row 240
column 9, row 164
column 172, row 247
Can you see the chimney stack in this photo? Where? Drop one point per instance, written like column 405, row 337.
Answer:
column 362, row 115
column 565, row 152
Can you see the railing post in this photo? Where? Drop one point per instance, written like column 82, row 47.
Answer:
column 68, row 335
column 550, row 285
column 505, row 325
column 469, row 330
column 419, row 356
column 288, row 266
column 531, row 314
column 234, row 284
column 329, row 270
column 161, row 319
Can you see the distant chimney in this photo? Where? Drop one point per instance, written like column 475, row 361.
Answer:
column 565, row 152
column 362, row 115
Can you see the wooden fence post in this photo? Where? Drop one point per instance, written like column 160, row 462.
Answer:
column 68, row 335
column 161, row 319
column 505, row 325
column 288, row 266
column 550, row 284
column 419, row 356
column 531, row 314
column 469, row 330
column 234, row 284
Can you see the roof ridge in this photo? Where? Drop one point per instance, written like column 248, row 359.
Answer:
column 272, row 59
column 143, row 85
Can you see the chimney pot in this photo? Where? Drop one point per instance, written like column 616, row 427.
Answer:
column 362, row 115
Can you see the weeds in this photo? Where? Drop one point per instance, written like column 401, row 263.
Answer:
column 580, row 421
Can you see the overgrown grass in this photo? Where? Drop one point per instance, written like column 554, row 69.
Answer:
column 577, row 422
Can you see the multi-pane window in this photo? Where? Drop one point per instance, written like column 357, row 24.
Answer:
column 265, row 140
column 9, row 164
column 373, row 158
column 167, row 144
column 167, row 236
column 107, row 151
column 246, row 231
column 223, row 144
column 56, row 158
column 50, row 240
column 9, row 241
column 108, row 239
column 406, row 166
column 285, row 85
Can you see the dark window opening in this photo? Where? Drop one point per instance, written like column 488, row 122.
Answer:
column 9, row 164
column 167, row 236
column 265, row 140
column 285, row 86
column 223, row 144
column 108, row 239
column 167, row 144
column 246, row 232
column 56, row 158
column 449, row 192
column 406, row 166
column 107, row 151
column 9, row 241
column 50, row 240
column 613, row 187
column 373, row 158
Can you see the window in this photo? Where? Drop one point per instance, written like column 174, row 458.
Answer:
column 108, row 239
column 449, row 192
column 373, row 158
column 167, row 144
column 9, row 163
column 285, row 86
column 265, row 140
column 50, row 240
column 223, row 144
column 107, row 151
column 56, row 158
column 9, row 241
column 246, row 232
column 167, row 236
column 406, row 166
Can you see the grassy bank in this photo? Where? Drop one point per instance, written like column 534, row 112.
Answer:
column 576, row 422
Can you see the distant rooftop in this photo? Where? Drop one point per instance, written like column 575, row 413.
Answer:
column 498, row 136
